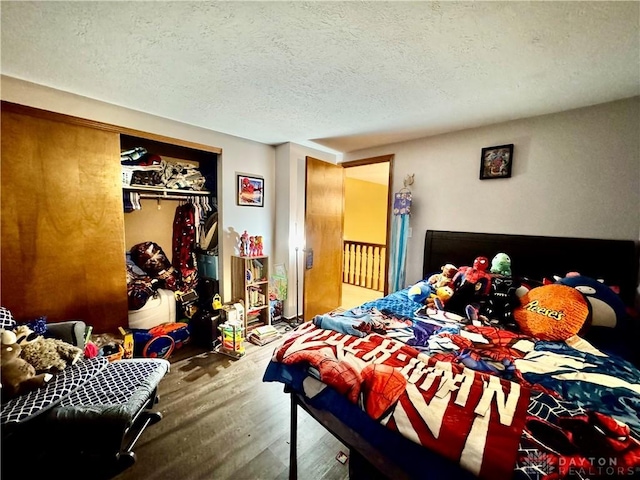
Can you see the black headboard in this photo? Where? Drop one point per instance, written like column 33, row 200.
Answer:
column 537, row 257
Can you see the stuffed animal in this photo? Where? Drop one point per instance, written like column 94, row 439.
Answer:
column 18, row 376
column 553, row 312
column 502, row 300
column 445, row 278
column 612, row 329
column 476, row 275
column 420, row 292
column 46, row 354
column 607, row 307
column 501, row 265
column 439, row 298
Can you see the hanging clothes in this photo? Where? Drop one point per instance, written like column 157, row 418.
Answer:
column 131, row 201
column 184, row 245
column 399, row 237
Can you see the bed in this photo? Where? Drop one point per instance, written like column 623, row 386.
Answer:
column 440, row 395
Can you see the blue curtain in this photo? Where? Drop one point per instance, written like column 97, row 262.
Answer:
column 399, row 236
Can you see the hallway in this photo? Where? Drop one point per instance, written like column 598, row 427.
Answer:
column 353, row 296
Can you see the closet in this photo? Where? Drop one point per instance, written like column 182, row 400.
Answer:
column 181, row 184
column 64, row 230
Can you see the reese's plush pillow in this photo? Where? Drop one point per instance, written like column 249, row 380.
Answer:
column 553, row 312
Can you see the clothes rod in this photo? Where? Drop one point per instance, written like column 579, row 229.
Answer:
column 159, row 196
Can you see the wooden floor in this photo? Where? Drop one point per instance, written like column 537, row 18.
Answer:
column 352, row 295
column 221, row 421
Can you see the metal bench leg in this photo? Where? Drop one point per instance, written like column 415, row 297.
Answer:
column 293, row 440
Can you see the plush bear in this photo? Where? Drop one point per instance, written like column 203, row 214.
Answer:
column 18, row 376
column 445, row 278
column 46, row 354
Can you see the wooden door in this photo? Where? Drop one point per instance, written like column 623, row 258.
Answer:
column 323, row 237
column 62, row 222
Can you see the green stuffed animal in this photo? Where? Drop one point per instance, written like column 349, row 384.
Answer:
column 18, row 376
column 501, row 265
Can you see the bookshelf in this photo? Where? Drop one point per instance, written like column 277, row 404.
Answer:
column 250, row 283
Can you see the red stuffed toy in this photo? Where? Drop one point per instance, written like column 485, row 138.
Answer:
column 476, row 275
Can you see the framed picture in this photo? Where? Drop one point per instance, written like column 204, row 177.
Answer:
column 250, row 190
column 496, row 162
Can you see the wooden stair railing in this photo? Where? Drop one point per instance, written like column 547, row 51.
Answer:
column 364, row 264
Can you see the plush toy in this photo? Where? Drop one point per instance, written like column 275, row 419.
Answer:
column 46, row 354
column 439, row 298
column 553, row 312
column 420, row 292
column 608, row 309
column 445, row 278
column 18, row 376
column 423, row 292
column 501, row 301
column 476, row 275
column 612, row 329
column 501, row 265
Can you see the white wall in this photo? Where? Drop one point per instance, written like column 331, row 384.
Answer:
column 238, row 155
column 575, row 173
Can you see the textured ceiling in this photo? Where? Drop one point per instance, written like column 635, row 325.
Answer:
column 346, row 75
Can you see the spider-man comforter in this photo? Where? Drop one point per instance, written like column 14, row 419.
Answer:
column 499, row 404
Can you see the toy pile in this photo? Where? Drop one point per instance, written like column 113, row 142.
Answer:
column 486, row 293
column 28, row 359
column 250, row 245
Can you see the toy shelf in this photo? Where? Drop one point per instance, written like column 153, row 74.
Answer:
column 250, row 284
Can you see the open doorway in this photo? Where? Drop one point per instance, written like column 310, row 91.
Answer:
column 367, row 184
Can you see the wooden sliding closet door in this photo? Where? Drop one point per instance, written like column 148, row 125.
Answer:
column 62, row 222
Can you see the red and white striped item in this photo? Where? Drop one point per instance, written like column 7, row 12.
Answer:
column 469, row 417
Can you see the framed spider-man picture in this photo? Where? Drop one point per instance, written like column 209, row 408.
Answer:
column 250, row 190
column 496, row 162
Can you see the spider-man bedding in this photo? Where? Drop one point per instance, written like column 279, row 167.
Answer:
column 448, row 398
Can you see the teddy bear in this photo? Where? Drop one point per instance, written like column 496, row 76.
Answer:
column 46, row 354
column 18, row 375
column 445, row 278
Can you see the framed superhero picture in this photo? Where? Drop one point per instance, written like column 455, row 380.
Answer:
column 496, row 162
column 250, row 190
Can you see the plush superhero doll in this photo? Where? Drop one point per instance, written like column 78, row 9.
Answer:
column 499, row 305
column 476, row 275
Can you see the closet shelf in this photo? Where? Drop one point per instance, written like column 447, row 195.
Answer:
column 166, row 192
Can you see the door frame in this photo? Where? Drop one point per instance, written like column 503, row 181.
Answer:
column 371, row 161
